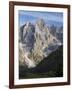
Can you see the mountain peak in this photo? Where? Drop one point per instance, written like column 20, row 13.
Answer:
column 40, row 23
column 28, row 24
column 37, row 41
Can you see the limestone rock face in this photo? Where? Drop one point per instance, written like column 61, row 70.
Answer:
column 35, row 43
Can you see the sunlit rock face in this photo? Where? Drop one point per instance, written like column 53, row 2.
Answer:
column 35, row 43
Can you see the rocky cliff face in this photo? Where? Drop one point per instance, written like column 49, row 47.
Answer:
column 57, row 32
column 35, row 43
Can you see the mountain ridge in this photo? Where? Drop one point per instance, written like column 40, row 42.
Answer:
column 35, row 43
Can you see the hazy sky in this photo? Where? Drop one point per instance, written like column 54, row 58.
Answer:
column 32, row 16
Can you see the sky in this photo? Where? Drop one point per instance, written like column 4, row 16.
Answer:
column 50, row 18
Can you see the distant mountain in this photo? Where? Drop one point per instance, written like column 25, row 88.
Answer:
column 35, row 43
column 57, row 32
column 55, row 23
column 51, row 66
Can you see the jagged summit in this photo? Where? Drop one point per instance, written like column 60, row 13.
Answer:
column 36, row 43
column 28, row 24
column 40, row 23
